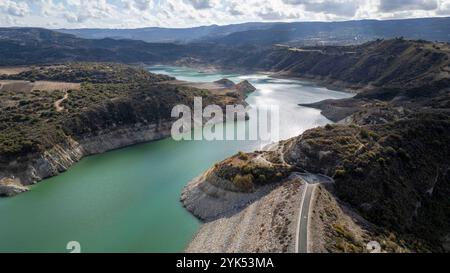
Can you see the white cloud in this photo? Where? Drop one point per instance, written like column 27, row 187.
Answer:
column 138, row 4
column 273, row 14
column 404, row 5
column 200, row 4
column 337, row 7
column 444, row 8
column 14, row 8
column 185, row 13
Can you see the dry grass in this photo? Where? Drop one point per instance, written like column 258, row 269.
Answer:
column 26, row 86
column 13, row 70
column 214, row 88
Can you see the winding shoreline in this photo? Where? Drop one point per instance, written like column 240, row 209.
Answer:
column 61, row 157
column 17, row 175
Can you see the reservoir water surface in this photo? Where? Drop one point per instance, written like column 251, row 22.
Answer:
column 127, row 200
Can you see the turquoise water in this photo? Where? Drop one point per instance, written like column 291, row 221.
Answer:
column 127, row 200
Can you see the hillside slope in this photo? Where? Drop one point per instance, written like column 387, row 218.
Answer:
column 388, row 156
column 346, row 32
column 391, row 66
column 382, row 63
column 393, row 175
column 52, row 116
column 24, row 46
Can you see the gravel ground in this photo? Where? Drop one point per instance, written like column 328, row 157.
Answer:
column 336, row 227
column 267, row 225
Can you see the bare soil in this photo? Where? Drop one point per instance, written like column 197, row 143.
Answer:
column 26, row 86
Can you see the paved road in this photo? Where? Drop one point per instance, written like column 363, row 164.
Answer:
column 312, row 180
column 302, row 244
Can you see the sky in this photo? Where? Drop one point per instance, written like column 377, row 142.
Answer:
column 189, row 13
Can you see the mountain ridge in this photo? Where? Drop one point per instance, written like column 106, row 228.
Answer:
column 52, row 116
column 335, row 32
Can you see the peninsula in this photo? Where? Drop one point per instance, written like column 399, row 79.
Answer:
column 54, row 115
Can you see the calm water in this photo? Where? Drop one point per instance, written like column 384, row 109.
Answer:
column 127, row 200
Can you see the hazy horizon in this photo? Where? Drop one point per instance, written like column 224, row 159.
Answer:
column 255, row 22
column 122, row 14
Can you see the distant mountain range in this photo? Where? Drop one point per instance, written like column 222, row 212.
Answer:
column 21, row 46
column 391, row 66
column 167, row 35
column 389, row 158
column 306, row 33
column 25, row 46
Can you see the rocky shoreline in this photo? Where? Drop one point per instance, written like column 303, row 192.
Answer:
column 236, row 220
column 110, row 124
column 379, row 185
column 18, row 175
column 260, row 222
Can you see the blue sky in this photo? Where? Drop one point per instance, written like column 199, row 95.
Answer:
column 187, row 13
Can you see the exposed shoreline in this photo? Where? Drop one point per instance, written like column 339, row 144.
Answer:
column 247, row 229
column 333, row 85
column 17, row 175
column 253, row 209
column 37, row 167
column 331, row 112
column 261, row 221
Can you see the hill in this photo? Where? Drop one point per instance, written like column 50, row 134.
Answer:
column 304, row 33
column 164, row 35
column 395, row 63
column 51, row 116
column 391, row 183
column 405, row 71
column 23, row 46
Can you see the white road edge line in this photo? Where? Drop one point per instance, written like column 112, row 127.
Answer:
column 308, row 228
column 300, row 218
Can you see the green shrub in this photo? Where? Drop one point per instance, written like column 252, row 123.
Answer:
column 262, row 178
column 243, row 156
column 364, row 133
column 340, row 173
column 390, row 151
column 244, row 182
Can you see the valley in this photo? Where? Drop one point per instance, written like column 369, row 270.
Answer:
column 146, row 179
column 58, row 114
column 387, row 152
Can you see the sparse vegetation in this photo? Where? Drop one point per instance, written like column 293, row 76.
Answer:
column 244, row 182
column 109, row 95
column 386, row 176
column 243, row 156
column 88, row 73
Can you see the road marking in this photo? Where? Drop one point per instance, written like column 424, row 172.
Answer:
column 297, row 240
column 302, row 244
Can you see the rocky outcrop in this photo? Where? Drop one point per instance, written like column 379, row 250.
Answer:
column 392, row 172
column 245, row 87
column 115, row 106
column 97, row 132
column 126, row 136
column 248, row 204
column 32, row 168
column 10, row 187
column 210, row 197
column 226, row 83
column 261, row 222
